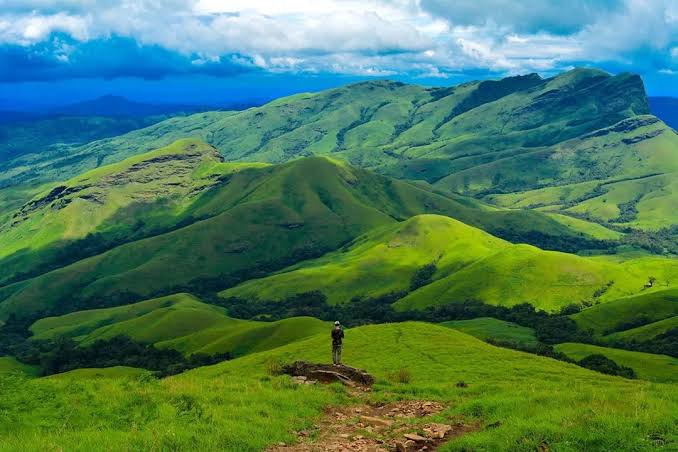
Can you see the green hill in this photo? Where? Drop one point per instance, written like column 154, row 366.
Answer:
column 499, row 330
column 648, row 366
column 380, row 262
column 619, row 314
column 518, row 401
column 120, row 203
column 10, row 366
column 162, row 217
column 646, row 332
column 469, row 265
column 180, row 322
column 570, row 143
column 115, row 372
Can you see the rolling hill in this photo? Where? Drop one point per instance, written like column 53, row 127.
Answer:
column 120, row 202
column 560, row 143
column 647, row 366
column 469, row 265
column 485, row 328
column 630, row 312
column 154, row 224
column 380, row 262
column 180, row 322
column 273, row 215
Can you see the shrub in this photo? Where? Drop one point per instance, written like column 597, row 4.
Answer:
column 423, row 276
column 401, row 375
column 274, row 366
column 605, row 365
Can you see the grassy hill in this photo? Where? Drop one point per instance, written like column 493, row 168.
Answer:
column 10, row 366
column 115, row 372
column 155, row 225
column 180, row 322
column 602, row 176
column 648, row 366
column 499, row 330
column 469, row 265
column 647, row 332
column 379, row 262
column 614, row 316
column 499, row 138
column 546, row 279
column 519, row 401
column 120, row 202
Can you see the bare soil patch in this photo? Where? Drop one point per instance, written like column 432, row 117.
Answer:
column 397, row 426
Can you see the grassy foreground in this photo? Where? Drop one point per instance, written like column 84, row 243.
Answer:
column 521, row 400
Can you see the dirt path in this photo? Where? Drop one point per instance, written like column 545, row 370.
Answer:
column 398, row 426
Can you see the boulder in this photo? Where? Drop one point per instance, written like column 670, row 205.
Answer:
column 327, row 373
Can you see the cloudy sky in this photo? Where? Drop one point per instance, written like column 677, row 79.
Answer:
column 211, row 51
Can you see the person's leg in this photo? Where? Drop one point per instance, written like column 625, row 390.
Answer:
column 334, row 354
column 339, row 354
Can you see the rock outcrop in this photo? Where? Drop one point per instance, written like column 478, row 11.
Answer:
column 327, row 373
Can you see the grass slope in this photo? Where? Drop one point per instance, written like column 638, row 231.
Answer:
column 115, row 372
column 609, row 317
column 490, row 328
column 180, row 322
column 647, row 366
column 602, row 176
column 546, row 279
column 275, row 216
column 471, row 265
column 236, row 406
column 124, row 200
column 379, row 262
column 646, row 332
column 10, row 366
column 500, row 137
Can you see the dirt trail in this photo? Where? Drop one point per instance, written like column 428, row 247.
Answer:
column 396, row 426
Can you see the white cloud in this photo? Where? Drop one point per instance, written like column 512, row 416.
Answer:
column 425, row 37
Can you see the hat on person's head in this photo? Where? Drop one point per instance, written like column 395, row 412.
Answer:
column 337, row 322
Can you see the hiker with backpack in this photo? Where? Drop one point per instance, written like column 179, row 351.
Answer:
column 337, row 340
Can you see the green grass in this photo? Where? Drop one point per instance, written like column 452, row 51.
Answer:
column 379, row 262
column 647, row 366
column 490, row 328
column 589, row 228
column 508, row 137
column 115, row 372
column 180, row 322
column 276, row 216
column 236, row 405
column 10, row 366
column 471, row 265
column 646, row 332
column 606, row 318
column 548, row 280
column 125, row 200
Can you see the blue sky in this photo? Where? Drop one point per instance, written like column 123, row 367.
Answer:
column 220, row 51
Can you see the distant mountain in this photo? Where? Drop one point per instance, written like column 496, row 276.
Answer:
column 666, row 108
column 580, row 144
column 115, row 106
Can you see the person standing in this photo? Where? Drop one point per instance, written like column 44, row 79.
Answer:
column 337, row 341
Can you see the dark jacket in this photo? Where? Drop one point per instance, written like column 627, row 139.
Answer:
column 337, row 335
